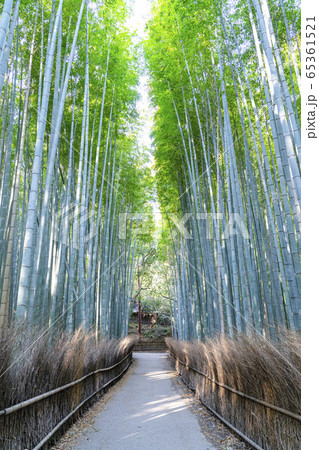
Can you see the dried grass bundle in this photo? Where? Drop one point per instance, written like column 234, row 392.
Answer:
column 268, row 371
column 32, row 364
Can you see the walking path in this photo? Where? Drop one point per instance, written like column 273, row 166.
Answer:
column 148, row 413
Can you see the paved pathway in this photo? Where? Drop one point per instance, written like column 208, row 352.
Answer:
column 148, row 413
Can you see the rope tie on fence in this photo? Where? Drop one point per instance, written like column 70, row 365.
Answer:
column 239, row 393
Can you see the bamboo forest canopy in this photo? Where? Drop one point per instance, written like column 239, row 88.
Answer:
column 224, row 80
column 70, row 165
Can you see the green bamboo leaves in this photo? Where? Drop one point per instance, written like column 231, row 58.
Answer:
column 62, row 262
column 232, row 118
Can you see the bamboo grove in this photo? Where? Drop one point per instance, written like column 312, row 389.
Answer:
column 225, row 80
column 225, row 86
column 69, row 165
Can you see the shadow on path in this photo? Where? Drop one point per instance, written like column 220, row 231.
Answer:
column 149, row 412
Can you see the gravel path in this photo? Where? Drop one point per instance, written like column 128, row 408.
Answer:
column 149, row 412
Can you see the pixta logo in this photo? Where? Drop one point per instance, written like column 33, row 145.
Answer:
column 208, row 223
